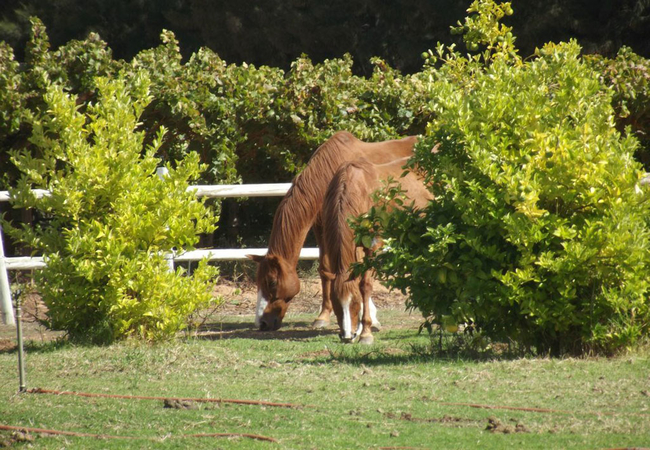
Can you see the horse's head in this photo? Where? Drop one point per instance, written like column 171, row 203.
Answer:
column 347, row 304
column 277, row 285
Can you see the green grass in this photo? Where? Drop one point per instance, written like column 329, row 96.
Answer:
column 395, row 393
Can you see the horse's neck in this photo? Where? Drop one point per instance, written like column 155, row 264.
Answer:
column 295, row 215
column 289, row 233
column 300, row 207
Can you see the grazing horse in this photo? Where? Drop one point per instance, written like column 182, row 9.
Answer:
column 349, row 195
column 277, row 278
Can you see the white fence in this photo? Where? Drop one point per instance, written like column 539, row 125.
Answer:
column 213, row 254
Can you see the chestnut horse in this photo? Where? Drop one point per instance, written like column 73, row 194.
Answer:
column 277, row 278
column 349, row 195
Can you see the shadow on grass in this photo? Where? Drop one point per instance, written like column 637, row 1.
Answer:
column 32, row 346
column 392, row 346
column 396, row 350
column 388, row 357
column 299, row 331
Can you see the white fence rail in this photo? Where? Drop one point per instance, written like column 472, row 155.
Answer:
column 213, row 254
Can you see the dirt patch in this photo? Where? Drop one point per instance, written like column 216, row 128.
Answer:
column 33, row 312
column 240, row 298
column 16, row 437
column 446, row 420
column 179, row 404
column 494, row 425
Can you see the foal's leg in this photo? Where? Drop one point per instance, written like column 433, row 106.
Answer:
column 376, row 325
column 365, row 287
column 323, row 319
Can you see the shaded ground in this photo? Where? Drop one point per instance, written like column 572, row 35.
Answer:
column 32, row 310
column 242, row 297
column 234, row 318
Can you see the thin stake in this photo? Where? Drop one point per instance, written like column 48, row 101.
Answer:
column 19, row 332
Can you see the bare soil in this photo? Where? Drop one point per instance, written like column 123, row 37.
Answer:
column 240, row 298
column 33, row 310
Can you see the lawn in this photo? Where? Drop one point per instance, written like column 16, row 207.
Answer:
column 399, row 393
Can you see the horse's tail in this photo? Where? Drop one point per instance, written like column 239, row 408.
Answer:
column 348, row 195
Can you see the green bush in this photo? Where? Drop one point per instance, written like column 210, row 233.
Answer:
column 538, row 233
column 110, row 220
column 10, row 100
column 629, row 76
column 190, row 101
column 261, row 124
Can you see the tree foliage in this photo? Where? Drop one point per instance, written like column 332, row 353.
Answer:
column 629, row 76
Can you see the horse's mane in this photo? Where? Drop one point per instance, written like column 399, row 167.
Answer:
column 348, row 195
column 301, row 205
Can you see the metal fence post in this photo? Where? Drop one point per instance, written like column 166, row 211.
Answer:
column 22, row 387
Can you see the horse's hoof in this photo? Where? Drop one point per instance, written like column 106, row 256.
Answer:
column 320, row 323
column 376, row 327
column 366, row 340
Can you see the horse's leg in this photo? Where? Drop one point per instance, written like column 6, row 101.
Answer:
column 376, row 325
column 323, row 319
column 365, row 286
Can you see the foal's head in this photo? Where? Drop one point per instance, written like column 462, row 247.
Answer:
column 277, row 285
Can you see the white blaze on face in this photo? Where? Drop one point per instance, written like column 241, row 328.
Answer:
column 261, row 306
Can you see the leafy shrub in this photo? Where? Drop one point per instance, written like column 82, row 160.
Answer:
column 10, row 101
column 73, row 67
column 190, row 102
column 538, row 233
column 109, row 220
column 258, row 123
column 629, row 76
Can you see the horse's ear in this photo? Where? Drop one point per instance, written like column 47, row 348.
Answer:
column 273, row 260
column 257, row 258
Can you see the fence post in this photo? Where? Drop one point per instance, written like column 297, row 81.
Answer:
column 22, row 386
column 6, row 308
column 162, row 172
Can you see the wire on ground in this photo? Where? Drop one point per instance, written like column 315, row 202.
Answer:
column 108, row 436
column 180, row 399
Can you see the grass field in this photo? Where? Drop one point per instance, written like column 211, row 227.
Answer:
column 398, row 393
